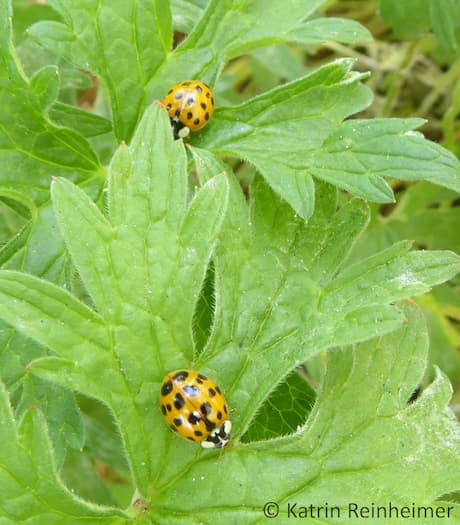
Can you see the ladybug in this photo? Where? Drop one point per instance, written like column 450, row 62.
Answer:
column 190, row 104
column 194, row 407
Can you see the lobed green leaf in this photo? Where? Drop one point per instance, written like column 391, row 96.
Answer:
column 122, row 43
column 228, row 28
column 356, row 155
column 31, row 489
column 51, row 315
column 299, row 264
column 31, row 144
column 280, row 130
column 362, row 405
column 143, row 326
column 360, row 153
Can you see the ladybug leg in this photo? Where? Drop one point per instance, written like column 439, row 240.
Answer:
column 184, row 132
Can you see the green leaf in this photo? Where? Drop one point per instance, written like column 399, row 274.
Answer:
column 37, row 249
column 95, row 37
column 61, row 412
column 186, row 13
column 274, row 64
column 361, row 152
column 235, row 284
column 284, row 292
column 239, row 31
column 53, row 316
column 319, row 30
column 86, row 123
column 31, row 144
column 276, row 285
column 362, row 406
column 31, row 489
column 427, row 214
column 400, row 16
column 388, row 274
column 143, row 328
column 441, row 17
column 442, row 312
column 355, row 155
column 25, row 14
column 79, row 476
column 444, row 20
column 424, row 213
column 279, row 131
column 284, row 411
column 204, row 311
column 122, row 43
column 226, row 29
column 45, row 84
column 55, row 319
column 102, row 440
column 96, row 231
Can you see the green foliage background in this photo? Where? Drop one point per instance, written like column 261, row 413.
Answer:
column 289, row 250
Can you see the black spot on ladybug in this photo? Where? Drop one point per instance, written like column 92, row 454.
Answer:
column 190, row 101
column 163, row 410
column 166, row 388
column 208, row 94
column 185, row 83
column 196, row 121
column 189, row 115
column 177, row 113
column 173, row 427
column 198, row 433
column 178, row 421
column 194, row 418
column 178, row 96
column 210, row 425
column 219, row 415
column 191, row 438
column 211, row 392
column 199, row 381
column 168, row 407
column 201, row 376
column 191, row 390
column 179, row 401
column 218, row 389
column 181, row 376
column 205, row 408
column 199, row 89
column 170, row 91
column 206, row 117
column 225, row 409
column 203, row 105
column 168, row 107
column 212, row 101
